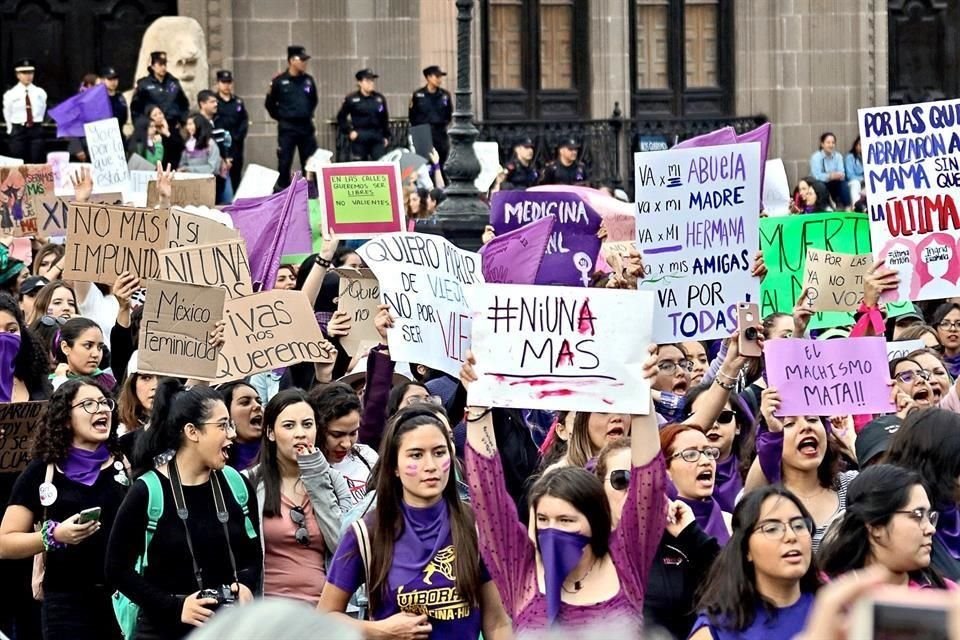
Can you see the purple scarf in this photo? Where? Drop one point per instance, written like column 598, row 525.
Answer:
column 728, row 483
column 708, row 514
column 244, row 454
column 84, row 466
column 953, row 365
column 560, row 552
column 9, row 348
column 425, row 531
column 948, row 529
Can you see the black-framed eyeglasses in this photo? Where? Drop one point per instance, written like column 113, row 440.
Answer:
column 918, row 515
column 948, row 324
column 52, row 321
column 226, row 425
column 300, row 519
column 620, row 479
column 669, row 366
column 776, row 529
column 436, row 401
column 92, row 406
column 693, row 455
column 726, row 416
column 908, row 377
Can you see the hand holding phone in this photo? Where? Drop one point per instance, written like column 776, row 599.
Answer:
column 748, row 317
column 89, row 515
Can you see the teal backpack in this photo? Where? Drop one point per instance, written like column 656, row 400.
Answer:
column 125, row 610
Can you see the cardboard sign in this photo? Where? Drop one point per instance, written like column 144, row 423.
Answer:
column 784, row 242
column 911, row 166
column 829, row 377
column 197, row 190
column 24, row 192
column 104, row 241
column 697, row 213
column 186, row 229
column 834, row 281
column 516, row 256
column 270, row 330
column 220, row 264
column 107, row 155
column 620, row 227
column 613, row 253
column 360, row 199
column 359, row 297
column 422, row 278
column 175, row 330
column 572, row 249
column 903, row 348
column 18, row 421
column 561, row 348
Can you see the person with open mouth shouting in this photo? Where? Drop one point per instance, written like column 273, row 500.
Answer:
column 246, row 413
column 913, row 380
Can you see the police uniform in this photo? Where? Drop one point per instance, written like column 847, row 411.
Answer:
column 368, row 116
column 118, row 104
column 520, row 176
column 169, row 96
column 232, row 117
column 558, row 173
column 24, row 107
column 291, row 102
column 435, row 109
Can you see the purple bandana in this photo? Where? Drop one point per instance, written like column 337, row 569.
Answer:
column 708, row 514
column 560, row 552
column 728, row 483
column 9, row 348
column 84, row 466
column 426, row 530
column 948, row 530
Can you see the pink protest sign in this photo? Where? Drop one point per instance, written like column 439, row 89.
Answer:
column 829, row 377
column 360, row 199
column 515, row 256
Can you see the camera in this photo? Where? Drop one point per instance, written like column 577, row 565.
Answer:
column 750, row 333
column 223, row 595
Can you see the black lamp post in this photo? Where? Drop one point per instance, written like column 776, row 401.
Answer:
column 462, row 216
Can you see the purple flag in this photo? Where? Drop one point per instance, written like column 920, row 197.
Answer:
column 762, row 135
column 515, row 257
column 726, row 135
column 88, row 106
column 571, row 254
column 272, row 226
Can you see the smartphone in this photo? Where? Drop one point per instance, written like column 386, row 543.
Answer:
column 89, row 515
column 748, row 317
column 895, row 613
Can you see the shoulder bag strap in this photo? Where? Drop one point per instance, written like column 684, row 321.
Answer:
column 239, row 490
column 181, row 503
column 363, row 543
column 154, row 512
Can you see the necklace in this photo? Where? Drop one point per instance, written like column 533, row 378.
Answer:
column 578, row 584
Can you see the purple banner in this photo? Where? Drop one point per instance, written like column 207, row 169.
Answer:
column 89, row 106
column 515, row 257
column 571, row 252
column 762, row 135
column 834, row 377
column 726, row 135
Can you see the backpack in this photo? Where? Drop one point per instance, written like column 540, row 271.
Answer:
column 127, row 611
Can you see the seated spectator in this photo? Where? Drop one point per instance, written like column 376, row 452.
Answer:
column 853, row 165
column 149, row 136
column 827, row 166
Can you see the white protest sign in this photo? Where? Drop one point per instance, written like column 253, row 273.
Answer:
column 698, row 216
column 257, row 182
column 107, row 155
column 561, row 348
column 776, row 189
column 902, row 348
column 422, row 279
column 488, row 153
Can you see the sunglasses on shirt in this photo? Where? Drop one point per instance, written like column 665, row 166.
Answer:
column 300, row 519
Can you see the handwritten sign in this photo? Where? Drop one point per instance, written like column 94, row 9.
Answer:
column 620, row 227
column 829, row 377
column 422, row 278
column 175, row 330
column 834, row 281
column 221, row 264
column 516, row 256
column 186, row 229
column 104, row 241
column 697, row 213
column 911, row 166
column 571, row 254
column 197, row 190
column 903, row 348
column 107, row 155
column 360, row 199
column 24, row 190
column 613, row 253
column 270, row 330
column 561, row 348
column 359, row 297
column 18, row 421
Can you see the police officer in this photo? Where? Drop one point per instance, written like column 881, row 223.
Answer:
column 24, row 107
column 111, row 80
column 291, row 102
column 431, row 104
column 232, row 117
column 519, row 172
column 363, row 118
column 565, row 169
column 162, row 89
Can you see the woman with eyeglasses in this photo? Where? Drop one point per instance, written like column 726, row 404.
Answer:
column 888, row 521
column 683, row 557
column 672, row 381
column 246, row 412
column 23, row 361
column 56, row 300
column 301, row 500
column 763, row 583
column 940, row 382
column 72, row 489
column 913, row 381
column 204, row 538
column 946, row 320
column 80, row 352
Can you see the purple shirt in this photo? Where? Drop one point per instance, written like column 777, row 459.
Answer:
column 784, row 623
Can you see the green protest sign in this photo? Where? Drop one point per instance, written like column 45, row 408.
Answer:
column 313, row 206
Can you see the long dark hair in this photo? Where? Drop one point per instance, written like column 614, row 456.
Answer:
column 730, row 596
column 173, row 407
column 928, row 442
column 872, row 499
column 133, row 414
column 268, row 471
column 70, row 331
column 584, row 491
column 204, row 131
column 31, row 364
column 53, row 438
column 741, row 414
column 330, row 403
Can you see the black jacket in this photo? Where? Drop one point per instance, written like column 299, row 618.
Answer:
column 435, row 109
column 367, row 115
column 166, row 94
column 556, row 173
column 519, row 176
column 119, row 106
column 232, row 116
column 292, row 98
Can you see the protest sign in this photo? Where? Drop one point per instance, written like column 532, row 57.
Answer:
column 422, row 138
column 198, row 190
column 18, row 421
column 175, row 330
column 488, row 154
column 137, row 162
column 257, row 181
column 422, row 279
column 829, row 377
column 270, row 330
column 561, row 348
column 24, row 192
column 784, row 243
column 776, row 189
column 359, row 297
column 515, row 257
column 902, row 348
column 22, row 250
column 220, row 264
column 360, row 199
column 186, row 229
column 107, row 155
column 621, row 227
column 911, row 166
column 103, row 241
column 7, row 161
column 834, row 281
column 91, row 105
column 613, row 253
column 573, row 246
column 697, row 212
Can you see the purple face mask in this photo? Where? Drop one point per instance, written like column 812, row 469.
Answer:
column 560, row 552
column 9, row 348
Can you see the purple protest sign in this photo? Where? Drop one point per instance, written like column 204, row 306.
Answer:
column 571, row 253
column 829, row 377
column 726, row 135
column 515, row 257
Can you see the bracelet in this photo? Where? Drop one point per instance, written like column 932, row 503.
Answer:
column 46, row 534
column 323, row 262
column 720, row 372
column 723, row 385
column 476, row 418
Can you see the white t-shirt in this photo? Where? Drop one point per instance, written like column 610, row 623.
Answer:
column 355, row 469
